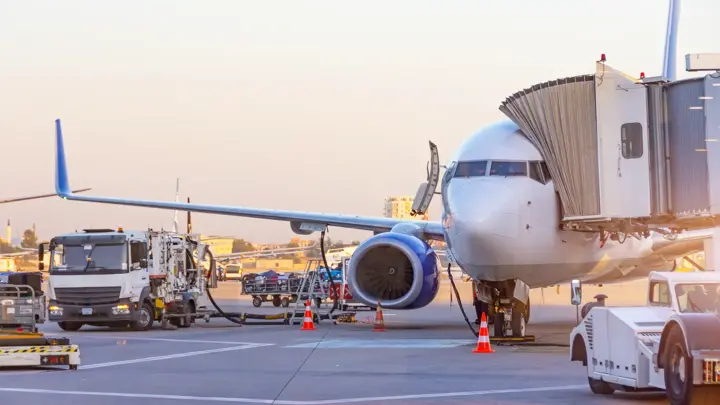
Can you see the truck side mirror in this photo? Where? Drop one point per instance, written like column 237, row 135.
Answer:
column 575, row 292
column 41, row 256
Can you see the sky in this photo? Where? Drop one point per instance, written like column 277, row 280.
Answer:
column 321, row 106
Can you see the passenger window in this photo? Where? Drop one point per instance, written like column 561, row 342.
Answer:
column 536, row 172
column 631, row 136
column 471, row 169
column 508, row 169
column 659, row 293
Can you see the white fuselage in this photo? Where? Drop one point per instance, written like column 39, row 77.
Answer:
column 502, row 225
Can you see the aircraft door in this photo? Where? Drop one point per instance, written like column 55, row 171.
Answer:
column 426, row 190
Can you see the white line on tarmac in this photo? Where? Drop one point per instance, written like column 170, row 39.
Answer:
column 220, row 342
column 287, row 402
column 172, row 356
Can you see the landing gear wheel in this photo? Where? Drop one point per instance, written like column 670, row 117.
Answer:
column 276, row 300
column 285, row 302
column 679, row 375
column 518, row 321
column 70, row 326
column 73, row 367
column 499, row 324
column 257, row 301
column 147, row 316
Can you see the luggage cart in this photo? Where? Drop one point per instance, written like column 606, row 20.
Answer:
column 281, row 292
column 21, row 309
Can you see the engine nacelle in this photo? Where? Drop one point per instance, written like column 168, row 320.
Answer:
column 399, row 270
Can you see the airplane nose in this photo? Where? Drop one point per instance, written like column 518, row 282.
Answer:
column 485, row 217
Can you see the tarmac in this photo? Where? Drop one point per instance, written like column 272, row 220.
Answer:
column 425, row 357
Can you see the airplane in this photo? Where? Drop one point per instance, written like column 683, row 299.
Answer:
column 398, row 267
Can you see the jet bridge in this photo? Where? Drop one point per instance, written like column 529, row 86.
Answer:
column 627, row 155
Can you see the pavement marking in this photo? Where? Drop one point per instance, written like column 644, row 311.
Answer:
column 386, row 343
column 221, row 342
column 173, row 356
column 288, row 402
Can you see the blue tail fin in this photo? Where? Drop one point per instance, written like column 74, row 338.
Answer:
column 62, row 185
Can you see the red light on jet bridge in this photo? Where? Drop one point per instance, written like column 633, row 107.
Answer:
column 642, row 75
column 602, row 58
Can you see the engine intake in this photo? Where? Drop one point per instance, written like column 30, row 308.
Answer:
column 399, row 270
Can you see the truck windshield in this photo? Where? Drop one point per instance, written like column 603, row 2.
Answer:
column 89, row 258
column 698, row 298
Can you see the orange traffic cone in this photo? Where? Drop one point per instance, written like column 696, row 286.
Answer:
column 483, row 343
column 308, row 318
column 379, row 320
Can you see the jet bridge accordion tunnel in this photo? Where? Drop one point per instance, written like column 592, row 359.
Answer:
column 627, row 155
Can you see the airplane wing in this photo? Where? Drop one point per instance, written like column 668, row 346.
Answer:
column 300, row 222
column 681, row 244
column 35, row 197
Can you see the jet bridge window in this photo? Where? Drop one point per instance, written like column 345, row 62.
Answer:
column 471, row 169
column 660, row 294
column 631, row 136
column 500, row 168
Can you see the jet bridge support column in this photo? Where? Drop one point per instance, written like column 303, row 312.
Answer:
column 712, row 251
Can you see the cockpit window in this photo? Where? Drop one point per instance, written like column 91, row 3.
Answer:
column 500, row 168
column 471, row 169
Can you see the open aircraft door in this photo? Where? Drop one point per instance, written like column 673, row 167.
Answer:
column 426, row 190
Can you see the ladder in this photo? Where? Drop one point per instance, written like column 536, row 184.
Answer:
column 311, row 287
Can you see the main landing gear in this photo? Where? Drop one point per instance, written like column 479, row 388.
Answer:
column 509, row 308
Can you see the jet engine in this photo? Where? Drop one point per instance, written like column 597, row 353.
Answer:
column 398, row 269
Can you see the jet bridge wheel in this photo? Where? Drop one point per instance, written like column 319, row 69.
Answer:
column 679, row 375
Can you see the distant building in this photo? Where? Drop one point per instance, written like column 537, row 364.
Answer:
column 399, row 207
column 302, row 242
column 218, row 245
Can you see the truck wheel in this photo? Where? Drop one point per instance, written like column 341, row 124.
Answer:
column 257, row 301
column 276, row 300
column 600, row 387
column 147, row 316
column 70, row 326
column 679, row 374
column 285, row 302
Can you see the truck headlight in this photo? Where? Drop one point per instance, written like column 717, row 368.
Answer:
column 55, row 310
column 122, row 309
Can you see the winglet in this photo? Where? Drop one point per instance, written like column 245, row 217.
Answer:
column 62, row 185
